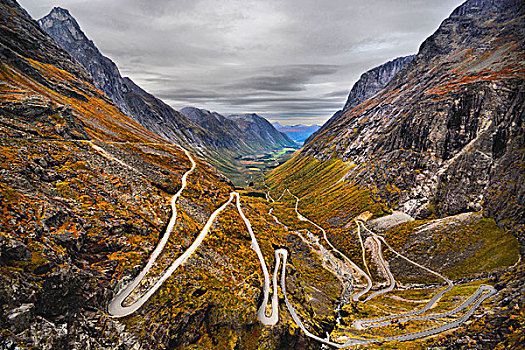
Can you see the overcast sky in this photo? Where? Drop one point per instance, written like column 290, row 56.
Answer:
column 292, row 61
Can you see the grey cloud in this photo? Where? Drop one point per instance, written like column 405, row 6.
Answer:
column 285, row 78
column 283, row 59
column 337, row 94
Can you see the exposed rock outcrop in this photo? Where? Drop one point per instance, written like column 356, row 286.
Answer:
column 374, row 80
column 65, row 30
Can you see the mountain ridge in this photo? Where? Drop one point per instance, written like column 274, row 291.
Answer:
column 255, row 141
column 219, row 145
column 374, row 80
column 129, row 97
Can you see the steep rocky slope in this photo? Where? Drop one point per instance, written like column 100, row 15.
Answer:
column 214, row 139
column 85, row 195
column 374, row 80
column 105, row 73
column 446, row 134
column 144, row 108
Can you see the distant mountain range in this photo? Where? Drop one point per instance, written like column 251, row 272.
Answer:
column 298, row 133
column 218, row 139
column 246, row 131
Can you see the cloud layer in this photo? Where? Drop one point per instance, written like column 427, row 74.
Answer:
column 291, row 61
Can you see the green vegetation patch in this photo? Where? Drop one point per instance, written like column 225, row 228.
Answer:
column 456, row 248
column 499, row 249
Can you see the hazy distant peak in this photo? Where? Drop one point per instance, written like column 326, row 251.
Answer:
column 299, row 133
column 61, row 17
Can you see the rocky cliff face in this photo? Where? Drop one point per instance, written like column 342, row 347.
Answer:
column 65, row 30
column 446, row 134
column 374, row 80
column 444, row 137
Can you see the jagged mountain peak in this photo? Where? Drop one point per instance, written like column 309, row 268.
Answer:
column 374, row 80
column 61, row 14
column 61, row 17
column 66, row 31
column 370, row 83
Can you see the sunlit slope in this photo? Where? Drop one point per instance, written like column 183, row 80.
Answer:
column 321, row 182
column 334, row 203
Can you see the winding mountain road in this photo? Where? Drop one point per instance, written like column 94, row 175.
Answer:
column 391, row 278
column 354, row 265
column 404, row 317
column 117, row 309
column 475, row 300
